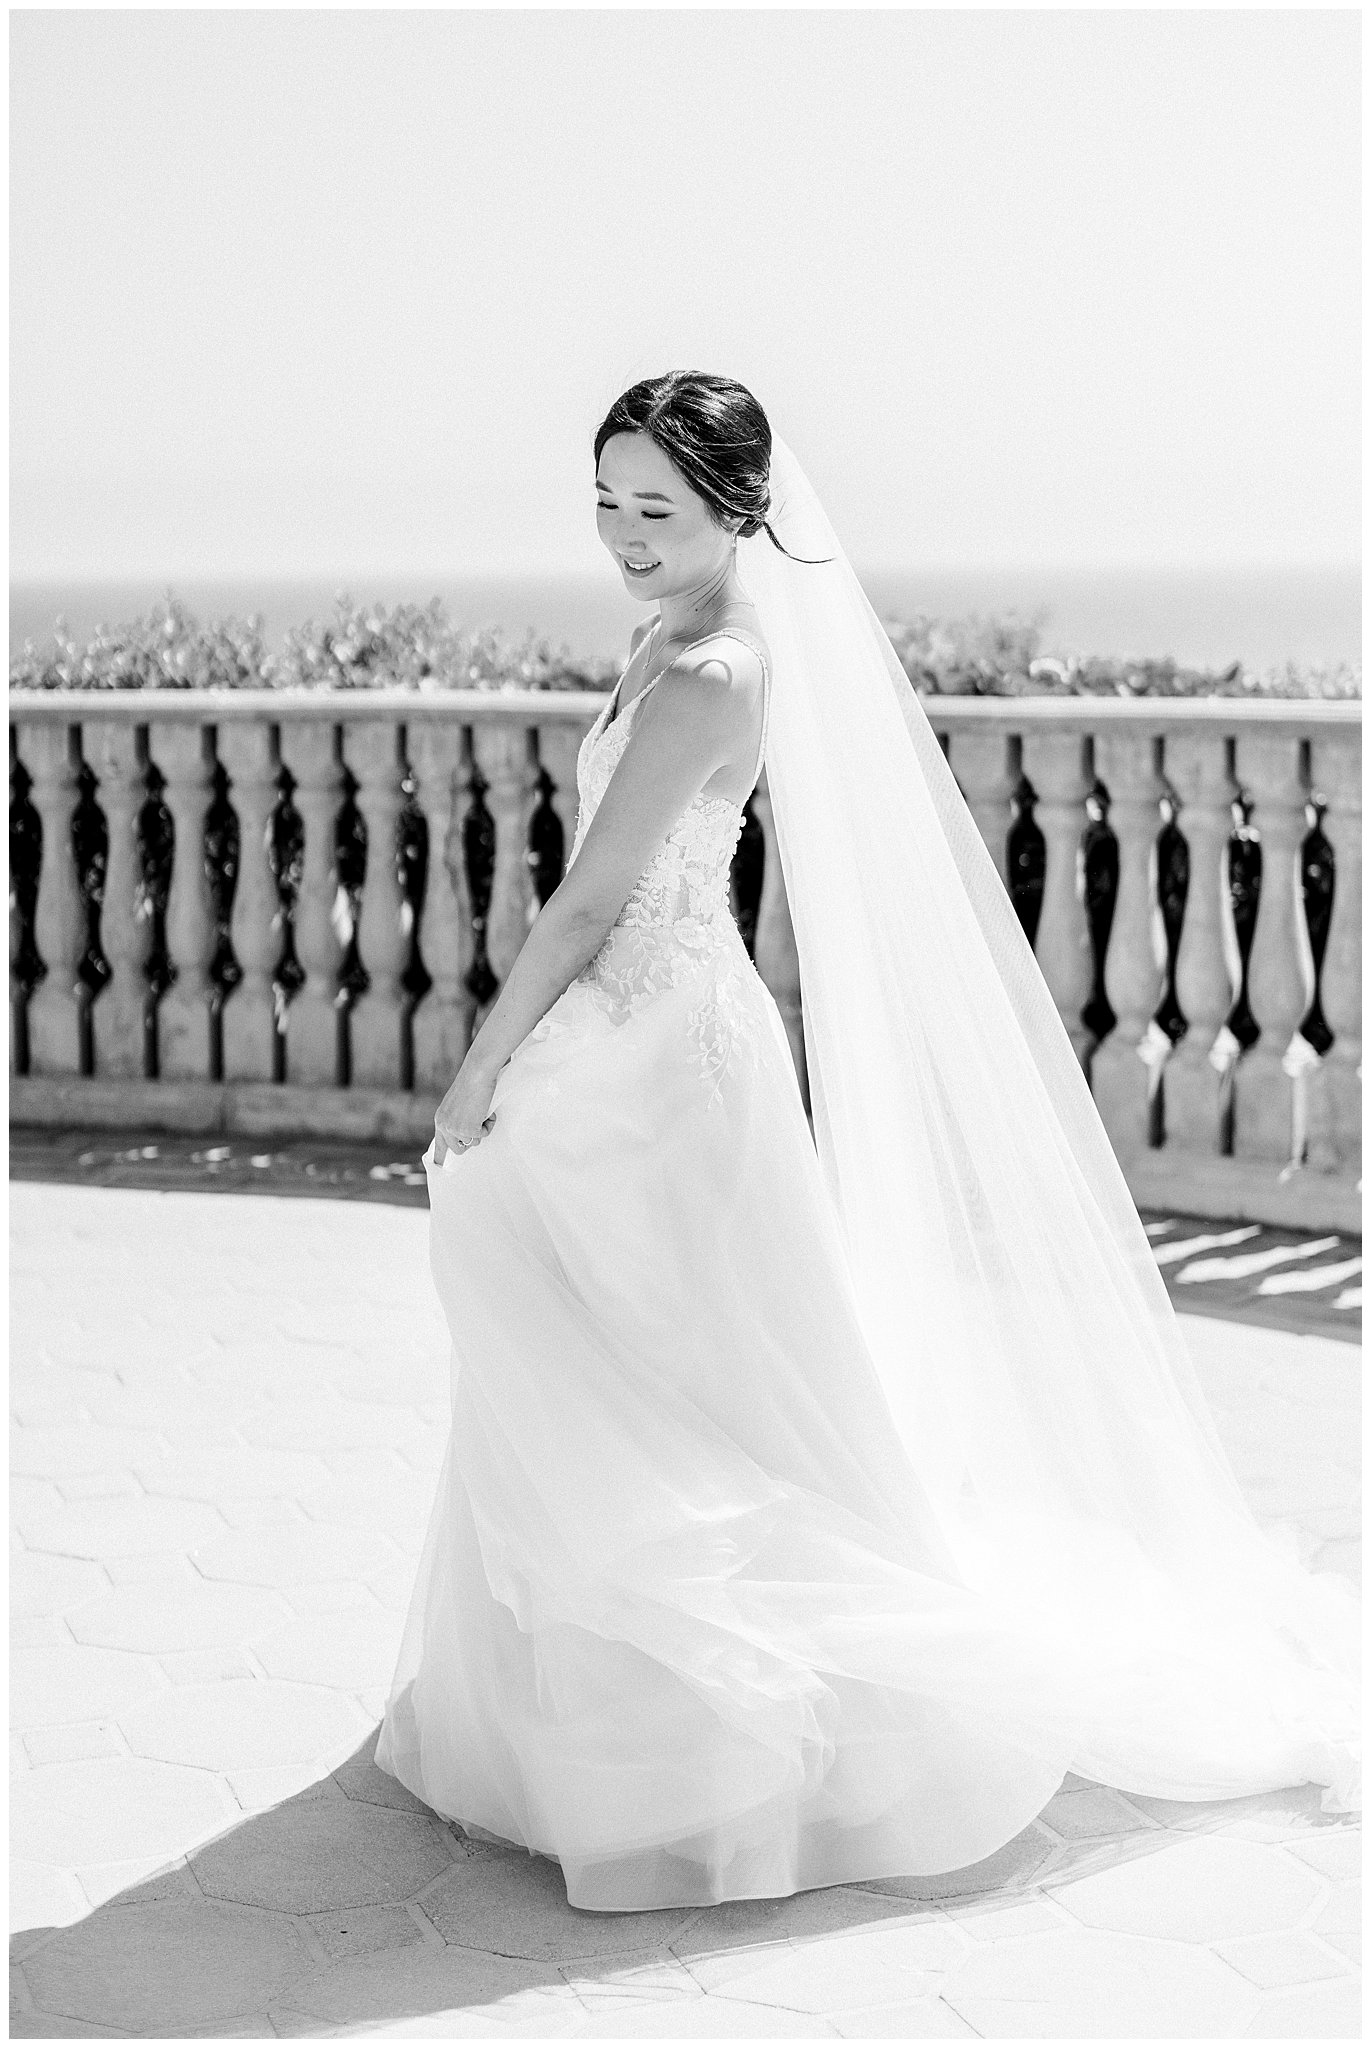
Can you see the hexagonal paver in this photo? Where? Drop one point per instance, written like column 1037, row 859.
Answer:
column 243, row 1722
column 233, row 1471
column 1275, row 1960
column 392, row 1495
column 69, row 1744
column 59, row 1682
column 30, row 1498
column 43, row 1584
column 889, row 1965
column 162, row 1618
column 42, row 1896
column 1336, row 1853
column 835, row 1909
column 515, row 1903
column 319, row 1425
column 1094, row 1812
column 316, row 1855
column 704, row 2019
column 923, row 2019
column 361, row 1778
column 1202, row 1890
column 414, row 1982
column 172, row 1404
column 364, row 1931
column 606, row 1983
column 293, row 1554
column 68, row 1447
column 1316, row 2012
column 1097, row 1986
column 1011, row 1869
column 123, row 1528
column 351, row 1651
column 111, row 1807
column 45, row 1393
column 165, row 1967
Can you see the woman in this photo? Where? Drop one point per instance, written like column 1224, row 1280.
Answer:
column 807, row 1515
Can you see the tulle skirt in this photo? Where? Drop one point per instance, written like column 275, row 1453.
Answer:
column 685, row 1619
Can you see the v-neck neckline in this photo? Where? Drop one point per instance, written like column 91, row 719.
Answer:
column 616, row 710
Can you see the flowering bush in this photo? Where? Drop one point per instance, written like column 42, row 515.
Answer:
column 1001, row 657
column 420, row 648
column 168, row 649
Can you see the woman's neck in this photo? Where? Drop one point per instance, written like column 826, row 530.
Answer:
column 686, row 614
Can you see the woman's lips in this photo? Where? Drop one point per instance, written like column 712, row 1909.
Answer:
column 639, row 568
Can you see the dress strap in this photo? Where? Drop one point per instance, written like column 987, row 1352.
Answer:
column 718, row 633
column 740, row 633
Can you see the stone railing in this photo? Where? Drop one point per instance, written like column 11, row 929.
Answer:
column 199, row 940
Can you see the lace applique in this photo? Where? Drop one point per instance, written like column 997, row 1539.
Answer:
column 677, row 914
column 723, row 1029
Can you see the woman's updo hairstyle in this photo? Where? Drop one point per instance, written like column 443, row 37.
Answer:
column 715, row 434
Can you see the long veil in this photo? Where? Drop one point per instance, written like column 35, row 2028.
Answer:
column 1024, row 1338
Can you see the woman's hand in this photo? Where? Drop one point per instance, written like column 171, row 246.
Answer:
column 464, row 1115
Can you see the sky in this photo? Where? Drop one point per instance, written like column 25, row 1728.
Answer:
column 307, row 293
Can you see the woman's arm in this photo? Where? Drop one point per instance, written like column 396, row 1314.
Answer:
column 697, row 718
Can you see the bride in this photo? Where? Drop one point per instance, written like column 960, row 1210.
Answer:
column 812, row 1505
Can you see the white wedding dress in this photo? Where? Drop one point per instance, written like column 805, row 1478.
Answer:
column 685, row 1618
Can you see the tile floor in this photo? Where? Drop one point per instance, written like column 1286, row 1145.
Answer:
column 229, row 1413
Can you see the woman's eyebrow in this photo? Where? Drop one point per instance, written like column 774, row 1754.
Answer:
column 660, row 496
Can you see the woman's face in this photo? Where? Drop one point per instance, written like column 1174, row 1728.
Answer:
column 659, row 531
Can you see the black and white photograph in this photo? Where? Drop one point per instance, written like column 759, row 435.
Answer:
column 685, row 1022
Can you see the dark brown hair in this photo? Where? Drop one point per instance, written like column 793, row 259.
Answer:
column 715, row 434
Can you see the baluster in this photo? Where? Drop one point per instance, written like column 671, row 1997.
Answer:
column 19, row 1003
column 777, row 958
column 249, row 752
column 26, row 860
column 1130, row 766
column 1199, row 767
column 316, row 1025
column 1336, row 761
column 375, row 754
column 558, row 747
column 1269, row 765
column 506, row 754
column 185, row 755
column 53, row 758
column 987, row 766
column 443, row 1020
column 1059, row 767
column 119, row 1016
column 548, row 839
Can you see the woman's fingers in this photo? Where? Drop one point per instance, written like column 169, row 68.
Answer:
column 443, row 1145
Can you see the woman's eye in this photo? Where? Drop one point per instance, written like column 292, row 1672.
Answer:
column 656, row 515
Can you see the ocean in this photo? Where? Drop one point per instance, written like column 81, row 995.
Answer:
column 1203, row 617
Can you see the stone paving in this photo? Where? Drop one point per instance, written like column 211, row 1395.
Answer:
column 229, row 1414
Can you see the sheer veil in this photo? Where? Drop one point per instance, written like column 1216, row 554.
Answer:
column 1023, row 1336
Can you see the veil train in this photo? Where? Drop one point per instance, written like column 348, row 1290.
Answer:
column 1023, row 1336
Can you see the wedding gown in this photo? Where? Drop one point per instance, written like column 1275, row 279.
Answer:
column 685, row 1618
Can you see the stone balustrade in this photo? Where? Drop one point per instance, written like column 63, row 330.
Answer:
column 208, row 940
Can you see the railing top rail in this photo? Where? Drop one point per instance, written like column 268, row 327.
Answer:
column 1142, row 714
column 579, row 707
column 322, row 706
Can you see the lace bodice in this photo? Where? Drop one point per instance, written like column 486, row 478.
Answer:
column 677, row 912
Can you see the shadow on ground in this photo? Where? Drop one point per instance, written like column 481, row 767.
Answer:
column 353, row 1170
column 352, row 1907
